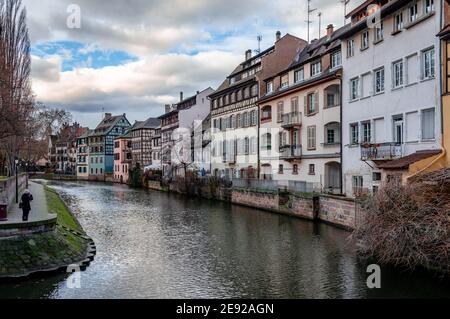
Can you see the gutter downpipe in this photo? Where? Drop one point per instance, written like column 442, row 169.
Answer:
column 444, row 151
column 341, row 137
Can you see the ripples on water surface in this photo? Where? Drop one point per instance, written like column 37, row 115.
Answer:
column 157, row 245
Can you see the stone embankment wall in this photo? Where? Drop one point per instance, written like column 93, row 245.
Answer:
column 8, row 189
column 338, row 211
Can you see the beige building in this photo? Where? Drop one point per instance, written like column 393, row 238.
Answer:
column 300, row 130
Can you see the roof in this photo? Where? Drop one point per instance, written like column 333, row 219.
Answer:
column 387, row 9
column 444, row 32
column 359, row 8
column 168, row 114
column 405, row 162
column 325, row 76
column 108, row 123
column 151, row 123
column 319, row 47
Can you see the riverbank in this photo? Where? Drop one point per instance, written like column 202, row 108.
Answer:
column 46, row 251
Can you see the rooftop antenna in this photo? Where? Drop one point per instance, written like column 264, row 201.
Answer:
column 345, row 3
column 259, row 39
column 320, row 23
column 309, row 16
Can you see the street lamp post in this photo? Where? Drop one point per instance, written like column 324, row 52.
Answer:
column 26, row 166
column 17, row 181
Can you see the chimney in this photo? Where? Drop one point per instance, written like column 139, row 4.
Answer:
column 248, row 55
column 168, row 107
column 181, row 96
column 278, row 36
column 330, row 30
column 108, row 115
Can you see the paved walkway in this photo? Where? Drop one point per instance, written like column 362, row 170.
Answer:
column 39, row 208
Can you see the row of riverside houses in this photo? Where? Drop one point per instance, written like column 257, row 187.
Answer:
column 360, row 106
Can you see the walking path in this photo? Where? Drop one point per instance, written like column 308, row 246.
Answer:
column 39, row 208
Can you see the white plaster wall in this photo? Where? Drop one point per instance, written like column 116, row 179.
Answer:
column 412, row 97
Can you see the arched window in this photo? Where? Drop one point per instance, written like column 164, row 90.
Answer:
column 266, row 113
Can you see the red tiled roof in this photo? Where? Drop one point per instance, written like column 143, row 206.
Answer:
column 405, row 162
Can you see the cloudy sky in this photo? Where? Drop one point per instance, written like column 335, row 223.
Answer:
column 135, row 56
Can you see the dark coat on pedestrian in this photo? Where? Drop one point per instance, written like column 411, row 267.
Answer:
column 26, row 202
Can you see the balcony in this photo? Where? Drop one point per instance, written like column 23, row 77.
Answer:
column 381, row 152
column 229, row 158
column 289, row 153
column 292, row 120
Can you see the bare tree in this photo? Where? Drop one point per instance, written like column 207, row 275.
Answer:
column 16, row 98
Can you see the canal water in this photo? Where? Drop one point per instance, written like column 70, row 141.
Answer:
column 158, row 245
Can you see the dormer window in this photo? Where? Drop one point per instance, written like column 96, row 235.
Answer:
column 429, row 6
column 379, row 32
column 412, row 11
column 284, row 81
column 336, row 59
column 365, row 40
column 269, row 87
column 316, row 68
column 299, row 75
column 398, row 22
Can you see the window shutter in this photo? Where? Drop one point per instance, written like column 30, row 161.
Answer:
column 306, row 104
column 316, row 102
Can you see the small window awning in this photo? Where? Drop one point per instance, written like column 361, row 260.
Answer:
column 405, row 162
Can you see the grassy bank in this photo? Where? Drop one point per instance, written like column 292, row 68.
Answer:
column 57, row 206
column 21, row 256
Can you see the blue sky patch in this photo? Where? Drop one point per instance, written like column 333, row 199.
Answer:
column 78, row 55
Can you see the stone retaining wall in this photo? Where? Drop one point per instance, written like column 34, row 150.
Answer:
column 23, row 229
column 8, row 189
column 338, row 211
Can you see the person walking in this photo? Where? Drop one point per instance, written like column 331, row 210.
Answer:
column 25, row 204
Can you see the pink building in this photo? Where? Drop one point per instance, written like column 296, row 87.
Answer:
column 122, row 158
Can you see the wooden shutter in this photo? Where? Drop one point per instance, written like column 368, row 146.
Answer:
column 306, row 104
column 316, row 102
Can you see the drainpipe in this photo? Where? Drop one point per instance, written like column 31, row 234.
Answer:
column 341, row 135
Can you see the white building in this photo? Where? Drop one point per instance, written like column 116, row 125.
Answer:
column 390, row 88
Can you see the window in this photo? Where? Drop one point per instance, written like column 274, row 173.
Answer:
column 280, row 111
column 376, row 176
column 299, row 75
column 397, row 75
column 331, row 136
column 246, row 146
column 233, row 121
column 428, row 64
column 365, row 40
column 428, row 124
column 239, row 95
column 266, row 113
column 350, row 48
column 295, row 169
column 354, row 89
column 240, row 122
column 379, row 81
column 366, row 132
column 336, row 59
column 311, row 137
column 316, row 68
column 398, row 22
column 354, row 134
column 312, row 169
column 233, row 97
column 254, row 117
column 284, row 81
column 281, row 169
column 357, row 183
column 247, row 119
column 429, row 6
column 311, row 104
column 255, row 90
column 267, row 142
column 269, row 87
column 379, row 32
column 412, row 13
column 246, row 93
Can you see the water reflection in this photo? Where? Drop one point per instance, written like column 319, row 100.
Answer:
column 157, row 245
